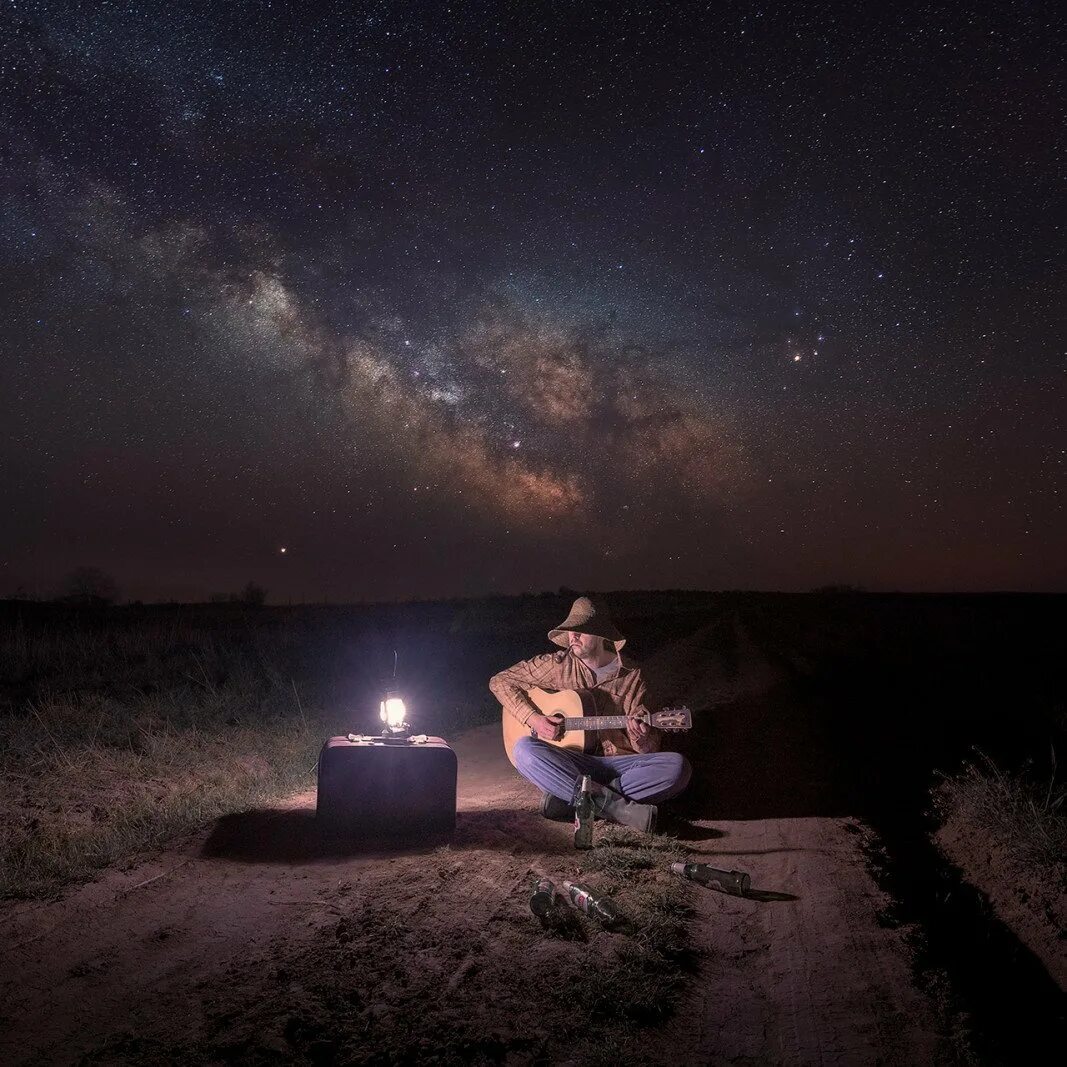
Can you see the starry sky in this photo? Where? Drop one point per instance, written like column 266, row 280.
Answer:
column 463, row 298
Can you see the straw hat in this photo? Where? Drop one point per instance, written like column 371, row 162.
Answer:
column 587, row 617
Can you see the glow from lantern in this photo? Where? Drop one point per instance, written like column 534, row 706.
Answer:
column 393, row 712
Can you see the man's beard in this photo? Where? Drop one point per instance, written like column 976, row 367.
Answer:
column 591, row 654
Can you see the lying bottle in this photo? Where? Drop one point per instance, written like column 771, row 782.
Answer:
column 543, row 899
column 600, row 907
column 736, row 882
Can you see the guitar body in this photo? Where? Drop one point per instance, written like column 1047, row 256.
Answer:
column 570, row 703
column 577, row 709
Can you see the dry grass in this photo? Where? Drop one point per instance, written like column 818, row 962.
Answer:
column 1026, row 819
column 649, row 963
column 1007, row 835
column 119, row 730
column 90, row 780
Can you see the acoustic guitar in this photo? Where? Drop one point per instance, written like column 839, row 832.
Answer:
column 576, row 708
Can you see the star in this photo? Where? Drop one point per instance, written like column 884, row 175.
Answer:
column 355, row 328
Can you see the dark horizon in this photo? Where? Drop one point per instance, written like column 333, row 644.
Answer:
column 454, row 302
column 562, row 594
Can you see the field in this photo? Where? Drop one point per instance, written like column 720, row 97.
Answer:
column 137, row 739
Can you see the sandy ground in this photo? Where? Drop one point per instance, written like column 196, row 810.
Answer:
column 1035, row 909
column 216, row 950
column 808, row 979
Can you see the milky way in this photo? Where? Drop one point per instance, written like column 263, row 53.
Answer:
column 448, row 300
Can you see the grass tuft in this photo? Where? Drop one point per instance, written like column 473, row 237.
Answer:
column 647, row 968
column 1026, row 818
column 92, row 782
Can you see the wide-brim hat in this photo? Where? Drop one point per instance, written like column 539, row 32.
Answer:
column 587, row 616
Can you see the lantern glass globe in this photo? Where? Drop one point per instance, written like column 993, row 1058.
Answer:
column 393, row 712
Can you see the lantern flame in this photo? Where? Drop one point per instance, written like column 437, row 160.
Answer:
column 393, row 712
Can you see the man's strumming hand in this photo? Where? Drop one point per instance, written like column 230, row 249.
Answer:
column 545, row 728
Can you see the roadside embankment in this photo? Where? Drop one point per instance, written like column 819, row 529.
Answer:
column 1008, row 837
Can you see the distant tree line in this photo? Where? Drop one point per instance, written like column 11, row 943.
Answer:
column 252, row 596
column 94, row 587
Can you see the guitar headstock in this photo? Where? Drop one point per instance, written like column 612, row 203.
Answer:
column 672, row 719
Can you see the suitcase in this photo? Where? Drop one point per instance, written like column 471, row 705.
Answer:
column 373, row 789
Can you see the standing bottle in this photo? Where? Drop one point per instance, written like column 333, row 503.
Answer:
column 735, row 882
column 583, row 815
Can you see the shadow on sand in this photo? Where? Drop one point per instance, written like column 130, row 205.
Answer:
column 276, row 835
column 676, row 825
column 297, row 836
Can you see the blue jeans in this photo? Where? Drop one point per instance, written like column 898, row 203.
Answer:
column 646, row 778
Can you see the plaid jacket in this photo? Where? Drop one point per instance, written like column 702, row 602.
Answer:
column 623, row 694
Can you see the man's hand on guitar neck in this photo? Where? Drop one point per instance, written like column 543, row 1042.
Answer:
column 544, row 727
column 639, row 733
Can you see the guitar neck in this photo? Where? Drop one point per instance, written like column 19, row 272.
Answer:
column 596, row 722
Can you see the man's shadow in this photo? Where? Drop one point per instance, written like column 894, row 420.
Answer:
column 675, row 822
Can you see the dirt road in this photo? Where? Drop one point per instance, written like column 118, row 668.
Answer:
column 254, row 943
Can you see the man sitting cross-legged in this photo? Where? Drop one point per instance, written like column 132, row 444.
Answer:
column 628, row 771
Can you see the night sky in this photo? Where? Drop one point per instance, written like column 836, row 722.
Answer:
column 485, row 297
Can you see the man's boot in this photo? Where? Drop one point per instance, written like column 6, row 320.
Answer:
column 555, row 809
column 614, row 807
